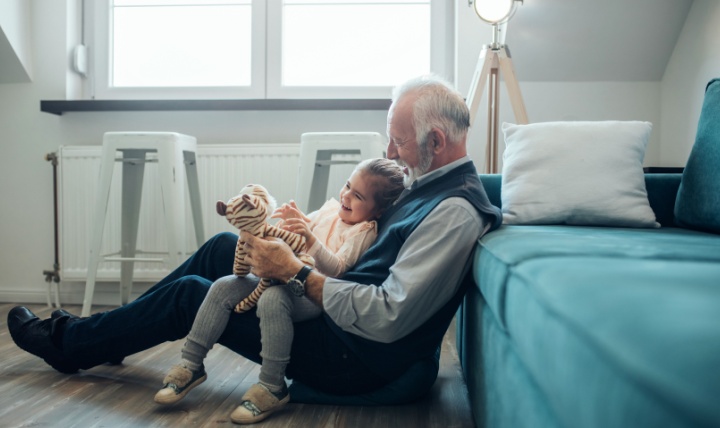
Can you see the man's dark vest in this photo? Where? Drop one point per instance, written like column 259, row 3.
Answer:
column 392, row 359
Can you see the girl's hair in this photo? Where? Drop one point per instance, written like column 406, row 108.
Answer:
column 388, row 180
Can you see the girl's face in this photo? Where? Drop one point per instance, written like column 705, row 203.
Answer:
column 357, row 199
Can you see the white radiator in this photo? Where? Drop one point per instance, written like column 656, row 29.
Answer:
column 222, row 171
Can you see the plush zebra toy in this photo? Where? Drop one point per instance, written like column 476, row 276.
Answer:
column 249, row 211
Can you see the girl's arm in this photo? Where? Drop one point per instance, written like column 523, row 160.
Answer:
column 335, row 264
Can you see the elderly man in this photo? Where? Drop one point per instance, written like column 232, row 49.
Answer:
column 388, row 312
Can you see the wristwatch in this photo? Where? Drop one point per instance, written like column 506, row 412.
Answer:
column 297, row 282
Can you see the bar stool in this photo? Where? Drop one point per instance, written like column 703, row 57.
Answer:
column 316, row 156
column 175, row 155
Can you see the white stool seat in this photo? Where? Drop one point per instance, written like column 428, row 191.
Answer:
column 316, row 156
column 176, row 160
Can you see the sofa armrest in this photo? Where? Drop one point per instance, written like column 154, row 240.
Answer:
column 492, row 184
column 661, row 189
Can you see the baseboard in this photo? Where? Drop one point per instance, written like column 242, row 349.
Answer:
column 72, row 293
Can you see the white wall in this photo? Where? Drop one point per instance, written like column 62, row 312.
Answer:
column 553, row 101
column 694, row 62
column 26, row 134
column 15, row 41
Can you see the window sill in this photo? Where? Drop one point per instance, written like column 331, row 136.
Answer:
column 60, row 107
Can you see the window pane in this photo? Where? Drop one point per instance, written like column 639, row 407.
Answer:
column 353, row 43
column 177, row 2
column 166, row 46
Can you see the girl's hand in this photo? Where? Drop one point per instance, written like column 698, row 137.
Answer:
column 301, row 227
column 289, row 211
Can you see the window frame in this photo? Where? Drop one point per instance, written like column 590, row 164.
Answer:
column 266, row 57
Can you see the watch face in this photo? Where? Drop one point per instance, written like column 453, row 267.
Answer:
column 296, row 287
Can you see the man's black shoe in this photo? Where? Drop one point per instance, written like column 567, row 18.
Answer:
column 35, row 336
column 59, row 313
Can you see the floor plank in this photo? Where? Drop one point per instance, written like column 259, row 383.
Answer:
column 33, row 394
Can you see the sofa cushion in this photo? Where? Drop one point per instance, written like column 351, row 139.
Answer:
column 698, row 200
column 502, row 250
column 581, row 173
column 611, row 340
column 661, row 192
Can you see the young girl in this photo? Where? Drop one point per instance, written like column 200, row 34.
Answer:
column 336, row 235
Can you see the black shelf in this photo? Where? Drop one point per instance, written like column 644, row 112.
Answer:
column 60, row 107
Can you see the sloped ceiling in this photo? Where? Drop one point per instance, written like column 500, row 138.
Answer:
column 595, row 40
column 11, row 68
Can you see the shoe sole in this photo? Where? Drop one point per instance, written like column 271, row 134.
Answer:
column 262, row 416
column 62, row 366
column 175, row 398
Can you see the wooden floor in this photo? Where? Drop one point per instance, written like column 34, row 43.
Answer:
column 32, row 394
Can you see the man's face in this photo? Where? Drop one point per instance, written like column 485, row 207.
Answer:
column 403, row 146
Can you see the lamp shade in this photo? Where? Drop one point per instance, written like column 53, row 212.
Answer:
column 495, row 11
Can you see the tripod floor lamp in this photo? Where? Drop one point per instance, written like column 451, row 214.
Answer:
column 495, row 59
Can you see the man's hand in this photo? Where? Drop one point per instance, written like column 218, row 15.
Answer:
column 270, row 258
column 274, row 259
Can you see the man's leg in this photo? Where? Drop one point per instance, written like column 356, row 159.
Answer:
column 213, row 260
column 166, row 313
column 318, row 358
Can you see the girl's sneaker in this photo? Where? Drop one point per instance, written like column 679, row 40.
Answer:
column 259, row 403
column 178, row 382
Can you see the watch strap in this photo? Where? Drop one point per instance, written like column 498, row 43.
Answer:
column 303, row 274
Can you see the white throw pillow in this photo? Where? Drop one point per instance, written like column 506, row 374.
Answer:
column 582, row 173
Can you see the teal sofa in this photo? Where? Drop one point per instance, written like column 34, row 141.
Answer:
column 577, row 326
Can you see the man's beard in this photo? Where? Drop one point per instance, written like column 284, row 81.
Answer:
column 425, row 157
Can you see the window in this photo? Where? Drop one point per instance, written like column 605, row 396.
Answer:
column 164, row 49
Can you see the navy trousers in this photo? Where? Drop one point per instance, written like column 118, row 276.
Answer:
column 167, row 310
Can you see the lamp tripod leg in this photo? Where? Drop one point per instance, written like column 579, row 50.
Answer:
column 491, row 152
column 490, row 64
column 513, row 88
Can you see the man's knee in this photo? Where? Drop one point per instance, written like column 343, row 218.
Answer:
column 224, row 240
column 191, row 287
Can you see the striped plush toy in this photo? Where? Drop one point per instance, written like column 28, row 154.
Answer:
column 249, row 211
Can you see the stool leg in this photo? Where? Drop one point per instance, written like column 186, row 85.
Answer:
column 132, row 179
column 306, row 170
column 319, row 187
column 194, row 191
column 170, row 163
column 107, row 164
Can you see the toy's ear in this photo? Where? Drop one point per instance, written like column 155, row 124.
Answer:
column 221, row 208
column 248, row 200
